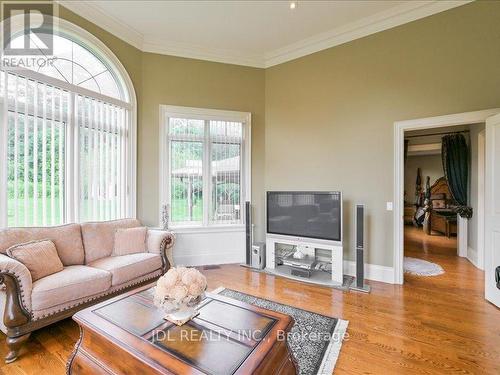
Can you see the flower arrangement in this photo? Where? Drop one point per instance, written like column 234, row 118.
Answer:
column 179, row 289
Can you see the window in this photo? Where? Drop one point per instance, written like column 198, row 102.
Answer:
column 204, row 172
column 70, row 137
column 76, row 65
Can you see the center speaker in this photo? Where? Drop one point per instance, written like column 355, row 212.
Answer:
column 360, row 220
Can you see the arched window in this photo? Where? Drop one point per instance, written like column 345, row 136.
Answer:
column 68, row 135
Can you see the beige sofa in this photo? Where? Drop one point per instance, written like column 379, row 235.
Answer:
column 90, row 274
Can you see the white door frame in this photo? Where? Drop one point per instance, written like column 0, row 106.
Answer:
column 481, row 169
column 466, row 118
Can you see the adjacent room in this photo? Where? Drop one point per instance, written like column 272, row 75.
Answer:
column 439, row 177
column 249, row 187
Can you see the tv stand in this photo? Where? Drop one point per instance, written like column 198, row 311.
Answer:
column 328, row 255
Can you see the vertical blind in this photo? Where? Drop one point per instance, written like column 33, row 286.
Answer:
column 205, row 171
column 187, row 138
column 103, row 159
column 225, row 162
column 67, row 154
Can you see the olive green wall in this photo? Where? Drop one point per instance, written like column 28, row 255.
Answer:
column 330, row 115
column 325, row 121
column 195, row 83
column 160, row 79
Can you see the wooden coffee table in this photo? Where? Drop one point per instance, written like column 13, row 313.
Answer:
column 128, row 335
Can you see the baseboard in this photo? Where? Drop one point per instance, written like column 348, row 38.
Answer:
column 472, row 257
column 209, row 259
column 373, row 272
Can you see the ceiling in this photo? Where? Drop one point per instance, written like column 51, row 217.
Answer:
column 252, row 33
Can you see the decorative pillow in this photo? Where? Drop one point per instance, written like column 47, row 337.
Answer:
column 40, row 257
column 439, row 203
column 130, row 241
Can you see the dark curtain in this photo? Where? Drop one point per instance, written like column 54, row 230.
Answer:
column 455, row 155
column 405, row 157
column 418, row 188
column 406, row 150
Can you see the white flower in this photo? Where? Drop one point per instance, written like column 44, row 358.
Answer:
column 190, row 276
column 202, row 280
column 161, row 291
column 181, row 271
column 170, row 279
column 195, row 290
column 178, row 293
column 178, row 287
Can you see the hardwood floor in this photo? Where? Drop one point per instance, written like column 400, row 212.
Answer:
column 432, row 325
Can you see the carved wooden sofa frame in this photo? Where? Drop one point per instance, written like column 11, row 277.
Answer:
column 20, row 322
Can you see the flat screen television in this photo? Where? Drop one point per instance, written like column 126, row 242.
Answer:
column 305, row 214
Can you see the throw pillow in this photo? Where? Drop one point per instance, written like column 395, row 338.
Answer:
column 40, row 257
column 130, row 241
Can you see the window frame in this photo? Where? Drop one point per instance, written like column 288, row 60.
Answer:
column 169, row 111
column 87, row 40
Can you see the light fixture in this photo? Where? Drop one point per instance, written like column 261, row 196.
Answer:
column 293, row 5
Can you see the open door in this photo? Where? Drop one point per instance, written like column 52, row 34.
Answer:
column 492, row 205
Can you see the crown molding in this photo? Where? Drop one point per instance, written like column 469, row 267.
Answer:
column 404, row 13
column 91, row 12
column 202, row 53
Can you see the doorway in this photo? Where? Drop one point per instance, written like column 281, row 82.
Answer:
column 430, row 220
column 468, row 118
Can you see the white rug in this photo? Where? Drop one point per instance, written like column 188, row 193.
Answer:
column 420, row 267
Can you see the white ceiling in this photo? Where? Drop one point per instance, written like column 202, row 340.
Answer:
column 253, row 33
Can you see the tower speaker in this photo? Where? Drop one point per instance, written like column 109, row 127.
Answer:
column 248, row 233
column 360, row 221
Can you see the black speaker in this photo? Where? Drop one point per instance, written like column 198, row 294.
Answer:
column 497, row 276
column 360, row 220
column 248, row 232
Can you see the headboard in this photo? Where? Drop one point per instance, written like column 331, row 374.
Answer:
column 440, row 191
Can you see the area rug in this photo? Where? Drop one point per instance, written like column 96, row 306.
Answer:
column 420, row 267
column 315, row 339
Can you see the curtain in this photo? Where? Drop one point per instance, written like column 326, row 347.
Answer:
column 455, row 156
column 406, row 150
column 418, row 188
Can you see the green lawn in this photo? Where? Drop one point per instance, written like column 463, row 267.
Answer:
column 30, row 208
column 180, row 210
column 30, row 211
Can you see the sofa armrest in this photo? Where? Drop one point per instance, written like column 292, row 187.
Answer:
column 162, row 242
column 18, row 284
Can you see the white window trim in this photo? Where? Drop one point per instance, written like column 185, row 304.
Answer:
column 168, row 111
column 95, row 45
